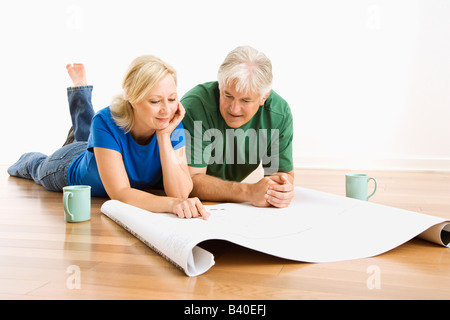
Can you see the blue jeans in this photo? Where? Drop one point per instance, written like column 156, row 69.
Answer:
column 51, row 171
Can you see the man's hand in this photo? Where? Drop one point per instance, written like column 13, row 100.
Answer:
column 258, row 192
column 276, row 190
column 280, row 194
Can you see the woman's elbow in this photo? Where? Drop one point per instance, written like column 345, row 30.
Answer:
column 181, row 193
column 119, row 195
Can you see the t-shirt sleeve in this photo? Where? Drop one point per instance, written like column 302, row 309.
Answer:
column 286, row 138
column 102, row 136
column 280, row 159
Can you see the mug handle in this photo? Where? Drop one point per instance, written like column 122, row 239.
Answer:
column 376, row 185
column 67, row 195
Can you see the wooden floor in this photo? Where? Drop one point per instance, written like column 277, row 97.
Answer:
column 42, row 257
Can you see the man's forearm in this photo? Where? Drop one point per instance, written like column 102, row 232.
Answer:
column 209, row 188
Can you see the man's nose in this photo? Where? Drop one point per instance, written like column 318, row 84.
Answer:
column 235, row 107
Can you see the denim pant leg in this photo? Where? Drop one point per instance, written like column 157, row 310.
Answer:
column 52, row 173
column 81, row 111
column 28, row 166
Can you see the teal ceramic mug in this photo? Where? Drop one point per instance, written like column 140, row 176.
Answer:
column 356, row 186
column 77, row 203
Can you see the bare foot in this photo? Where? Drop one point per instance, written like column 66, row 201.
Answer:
column 77, row 74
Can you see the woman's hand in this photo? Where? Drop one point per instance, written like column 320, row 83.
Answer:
column 190, row 208
column 178, row 116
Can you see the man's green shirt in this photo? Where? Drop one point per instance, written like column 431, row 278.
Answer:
column 232, row 154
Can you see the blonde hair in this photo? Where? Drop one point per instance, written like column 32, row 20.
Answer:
column 142, row 75
column 248, row 69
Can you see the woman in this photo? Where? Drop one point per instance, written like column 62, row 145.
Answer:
column 128, row 147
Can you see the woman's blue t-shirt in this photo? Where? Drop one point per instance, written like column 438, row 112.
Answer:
column 142, row 162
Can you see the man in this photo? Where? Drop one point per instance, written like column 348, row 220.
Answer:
column 235, row 124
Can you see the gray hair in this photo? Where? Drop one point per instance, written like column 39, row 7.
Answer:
column 248, row 69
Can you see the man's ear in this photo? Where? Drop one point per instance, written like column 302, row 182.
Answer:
column 263, row 99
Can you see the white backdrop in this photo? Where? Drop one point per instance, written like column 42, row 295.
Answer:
column 368, row 80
